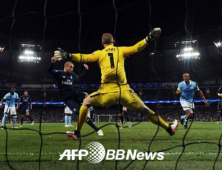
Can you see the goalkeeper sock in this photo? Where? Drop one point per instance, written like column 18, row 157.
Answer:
column 91, row 124
column 157, row 120
column 66, row 119
column 82, row 117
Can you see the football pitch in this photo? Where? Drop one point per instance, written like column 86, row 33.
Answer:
column 23, row 147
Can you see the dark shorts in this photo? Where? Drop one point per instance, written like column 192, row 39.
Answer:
column 74, row 95
column 73, row 105
column 24, row 110
column 220, row 108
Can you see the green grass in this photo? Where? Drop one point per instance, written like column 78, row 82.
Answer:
column 24, row 146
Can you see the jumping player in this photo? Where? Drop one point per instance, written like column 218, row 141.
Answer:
column 114, row 87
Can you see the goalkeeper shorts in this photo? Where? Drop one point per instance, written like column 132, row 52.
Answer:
column 127, row 98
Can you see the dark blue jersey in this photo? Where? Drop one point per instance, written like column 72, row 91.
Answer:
column 66, row 82
column 25, row 100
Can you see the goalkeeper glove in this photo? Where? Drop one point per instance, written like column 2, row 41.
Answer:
column 60, row 54
column 155, row 33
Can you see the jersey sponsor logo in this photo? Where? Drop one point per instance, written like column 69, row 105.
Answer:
column 67, row 82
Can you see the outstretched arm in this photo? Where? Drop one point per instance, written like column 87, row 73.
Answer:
column 1, row 102
column 84, row 72
column 154, row 34
column 50, row 69
column 85, row 58
column 127, row 51
column 60, row 54
column 203, row 97
column 178, row 91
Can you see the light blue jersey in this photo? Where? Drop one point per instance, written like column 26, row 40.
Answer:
column 187, row 91
column 10, row 99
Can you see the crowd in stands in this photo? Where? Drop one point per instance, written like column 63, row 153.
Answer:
column 55, row 113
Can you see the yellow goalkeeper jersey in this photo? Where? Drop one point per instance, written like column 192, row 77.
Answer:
column 111, row 62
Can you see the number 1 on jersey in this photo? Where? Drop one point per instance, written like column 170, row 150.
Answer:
column 111, row 60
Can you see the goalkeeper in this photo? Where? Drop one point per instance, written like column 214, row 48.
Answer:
column 114, row 87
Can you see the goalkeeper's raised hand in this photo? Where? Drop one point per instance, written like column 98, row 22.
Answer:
column 60, row 54
column 154, row 34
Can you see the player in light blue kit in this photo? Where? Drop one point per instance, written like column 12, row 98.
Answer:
column 187, row 89
column 68, row 117
column 10, row 110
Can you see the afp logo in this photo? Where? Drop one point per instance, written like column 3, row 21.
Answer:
column 95, row 152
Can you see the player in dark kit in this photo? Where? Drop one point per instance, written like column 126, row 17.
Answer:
column 124, row 113
column 72, row 97
column 66, row 80
column 219, row 93
column 25, row 107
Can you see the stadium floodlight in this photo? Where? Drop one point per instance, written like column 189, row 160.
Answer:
column 188, row 55
column 23, row 58
column 188, row 50
column 218, row 44
column 29, row 53
column 1, row 49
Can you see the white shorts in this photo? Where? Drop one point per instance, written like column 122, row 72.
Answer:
column 88, row 114
column 187, row 106
column 10, row 110
column 68, row 110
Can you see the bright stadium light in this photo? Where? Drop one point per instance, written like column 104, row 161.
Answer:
column 29, row 58
column 188, row 50
column 1, row 49
column 218, row 44
column 29, row 53
column 188, row 55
